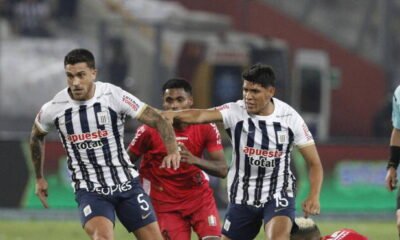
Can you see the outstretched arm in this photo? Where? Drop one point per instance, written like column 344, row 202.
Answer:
column 151, row 117
column 37, row 154
column 215, row 166
column 311, row 205
column 192, row 116
column 391, row 174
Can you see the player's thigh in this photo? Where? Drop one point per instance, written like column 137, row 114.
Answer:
column 242, row 222
column 205, row 220
column 134, row 208
column 279, row 215
column 99, row 228
column 174, row 226
column 278, row 227
column 150, row 231
column 91, row 205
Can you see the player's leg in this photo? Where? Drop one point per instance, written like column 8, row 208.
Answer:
column 242, row 222
column 205, row 220
column 99, row 228
column 174, row 226
column 96, row 214
column 279, row 215
column 136, row 213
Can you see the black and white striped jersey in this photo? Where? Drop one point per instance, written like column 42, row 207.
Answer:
column 260, row 166
column 92, row 134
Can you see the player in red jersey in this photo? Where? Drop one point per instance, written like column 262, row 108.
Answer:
column 306, row 229
column 182, row 198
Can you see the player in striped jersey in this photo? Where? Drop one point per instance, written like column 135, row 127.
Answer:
column 89, row 117
column 263, row 132
column 391, row 175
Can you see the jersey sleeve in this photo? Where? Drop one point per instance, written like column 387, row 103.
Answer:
column 396, row 109
column 140, row 143
column 302, row 135
column 214, row 142
column 44, row 119
column 227, row 112
column 129, row 104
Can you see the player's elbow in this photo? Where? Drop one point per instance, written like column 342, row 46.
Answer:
column 223, row 172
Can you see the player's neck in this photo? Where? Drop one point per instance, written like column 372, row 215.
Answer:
column 180, row 126
column 268, row 109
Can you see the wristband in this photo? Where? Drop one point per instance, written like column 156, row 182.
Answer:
column 394, row 157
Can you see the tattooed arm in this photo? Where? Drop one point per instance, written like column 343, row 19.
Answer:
column 153, row 118
column 37, row 154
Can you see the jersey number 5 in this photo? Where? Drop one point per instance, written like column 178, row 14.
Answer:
column 142, row 202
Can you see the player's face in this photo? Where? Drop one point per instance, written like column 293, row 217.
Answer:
column 80, row 79
column 177, row 99
column 257, row 97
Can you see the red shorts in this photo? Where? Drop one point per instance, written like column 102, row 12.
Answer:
column 203, row 217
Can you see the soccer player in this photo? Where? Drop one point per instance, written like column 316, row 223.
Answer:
column 306, row 229
column 89, row 117
column 183, row 198
column 391, row 175
column 263, row 132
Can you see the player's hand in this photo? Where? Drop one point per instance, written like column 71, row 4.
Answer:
column 172, row 159
column 186, row 155
column 391, row 179
column 41, row 191
column 169, row 115
column 311, row 206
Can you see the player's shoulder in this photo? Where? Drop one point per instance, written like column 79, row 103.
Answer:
column 104, row 88
column 396, row 93
column 59, row 100
column 232, row 106
column 283, row 109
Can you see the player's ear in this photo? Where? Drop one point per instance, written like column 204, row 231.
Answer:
column 190, row 101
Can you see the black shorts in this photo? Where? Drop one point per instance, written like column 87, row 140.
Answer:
column 244, row 222
column 128, row 200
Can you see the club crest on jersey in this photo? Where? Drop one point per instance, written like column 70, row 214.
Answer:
column 282, row 137
column 103, row 118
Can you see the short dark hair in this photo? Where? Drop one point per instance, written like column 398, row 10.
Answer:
column 304, row 229
column 260, row 73
column 177, row 83
column 80, row 55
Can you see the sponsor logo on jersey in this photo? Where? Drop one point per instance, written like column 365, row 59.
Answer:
column 81, row 137
column 89, row 145
column 126, row 186
column 130, row 102
column 250, row 151
column 262, row 162
column 262, row 157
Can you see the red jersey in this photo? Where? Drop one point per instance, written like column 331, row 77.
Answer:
column 345, row 234
column 188, row 181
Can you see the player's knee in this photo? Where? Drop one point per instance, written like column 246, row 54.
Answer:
column 211, row 238
column 100, row 235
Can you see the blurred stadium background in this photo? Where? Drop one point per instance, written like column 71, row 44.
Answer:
column 336, row 63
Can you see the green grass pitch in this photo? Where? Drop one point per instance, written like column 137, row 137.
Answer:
column 67, row 230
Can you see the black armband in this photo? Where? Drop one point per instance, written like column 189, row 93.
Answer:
column 394, row 157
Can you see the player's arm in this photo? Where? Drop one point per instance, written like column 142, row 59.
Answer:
column 37, row 154
column 192, row 116
column 311, row 205
column 215, row 166
column 391, row 175
column 153, row 118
